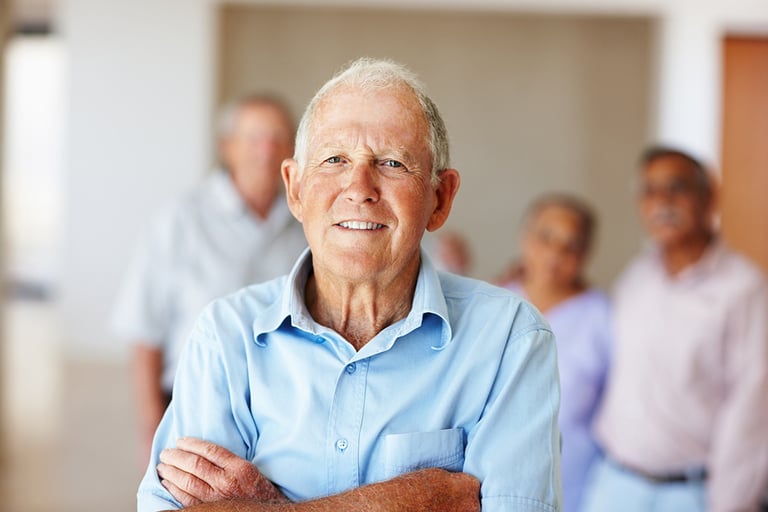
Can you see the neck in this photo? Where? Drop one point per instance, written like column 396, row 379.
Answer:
column 679, row 256
column 358, row 311
column 259, row 206
column 258, row 199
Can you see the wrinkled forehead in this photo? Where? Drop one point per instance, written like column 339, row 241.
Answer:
column 376, row 105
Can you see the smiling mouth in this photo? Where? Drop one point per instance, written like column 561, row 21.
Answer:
column 360, row 226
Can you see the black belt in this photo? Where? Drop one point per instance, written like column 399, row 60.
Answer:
column 692, row 475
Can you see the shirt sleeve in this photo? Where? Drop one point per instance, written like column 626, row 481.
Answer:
column 603, row 349
column 143, row 307
column 208, row 403
column 515, row 447
column 738, row 465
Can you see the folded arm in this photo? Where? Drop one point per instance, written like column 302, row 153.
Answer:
column 208, row 478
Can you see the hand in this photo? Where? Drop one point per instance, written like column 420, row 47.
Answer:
column 437, row 489
column 197, row 471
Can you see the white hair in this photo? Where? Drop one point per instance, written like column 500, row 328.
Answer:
column 377, row 74
column 227, row 115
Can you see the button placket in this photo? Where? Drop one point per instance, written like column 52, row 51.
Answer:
column 344, row 428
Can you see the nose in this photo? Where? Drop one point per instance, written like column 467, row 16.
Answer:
column 263, row 144
column 363, row 183
column 553, row 253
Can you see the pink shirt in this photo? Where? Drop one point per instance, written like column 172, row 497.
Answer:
column 689, row 383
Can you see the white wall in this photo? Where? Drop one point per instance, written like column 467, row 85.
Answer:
column 140, row 99
column 139, row 95
column 689, row 59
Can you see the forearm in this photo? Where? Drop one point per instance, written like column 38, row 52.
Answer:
column 738, row 467
column 146, row 369
column 738, row 462
column 420, row 491
column 370, row 498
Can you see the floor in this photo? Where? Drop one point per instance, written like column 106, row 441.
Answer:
column 68, row 440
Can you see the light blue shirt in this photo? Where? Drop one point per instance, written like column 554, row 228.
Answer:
column 207, row 244
column 467, row 382
column 582, row 326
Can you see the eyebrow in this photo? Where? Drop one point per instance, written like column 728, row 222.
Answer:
column 399, row 153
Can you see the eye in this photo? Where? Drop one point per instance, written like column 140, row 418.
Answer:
column 544, row 236
column 575, row 247
column 679, row 188
column 393, row 164
column 333, row 160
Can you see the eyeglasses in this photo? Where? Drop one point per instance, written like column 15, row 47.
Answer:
column 673, row 189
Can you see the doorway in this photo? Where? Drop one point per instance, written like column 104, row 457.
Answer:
column 30, row 209
column 745, row 152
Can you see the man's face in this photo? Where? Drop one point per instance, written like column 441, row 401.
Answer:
column 674, row 207
column 260, row 140
column 365, row 196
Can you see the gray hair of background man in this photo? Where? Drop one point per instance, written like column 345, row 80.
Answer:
column 372, row 75
column 227, row 115
column 703, row 176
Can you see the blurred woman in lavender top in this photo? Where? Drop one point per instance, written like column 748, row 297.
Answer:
column 556, row 239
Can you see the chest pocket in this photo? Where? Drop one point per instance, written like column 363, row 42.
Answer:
column 418, row 450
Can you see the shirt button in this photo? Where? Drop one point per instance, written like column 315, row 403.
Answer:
column 319, row 339
column 342, row 444
column 350, row 369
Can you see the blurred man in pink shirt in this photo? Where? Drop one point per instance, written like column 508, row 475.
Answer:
column 684, row 423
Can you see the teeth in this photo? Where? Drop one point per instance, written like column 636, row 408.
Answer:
column 354, row 224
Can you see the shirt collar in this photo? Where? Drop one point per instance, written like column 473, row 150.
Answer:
column 428, row 299
column 225, row 194
column 290, row 303
column 227, row 197
column 705, row 265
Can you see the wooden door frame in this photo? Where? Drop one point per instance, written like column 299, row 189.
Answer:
column 744, row 162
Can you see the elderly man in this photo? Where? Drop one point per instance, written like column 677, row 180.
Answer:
column 365, row 379
column 684, row 423
column 232, row 230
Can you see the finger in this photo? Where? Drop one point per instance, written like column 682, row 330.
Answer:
column 187, row 500
column 186, row 482
column 216, row 454
column 191, row 463
column 219, row 482
column 230, row 463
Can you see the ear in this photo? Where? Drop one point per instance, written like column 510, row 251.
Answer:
column 444, row 194
column 292, row 180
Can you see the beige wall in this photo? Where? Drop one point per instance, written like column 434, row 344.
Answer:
column 533, row 103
